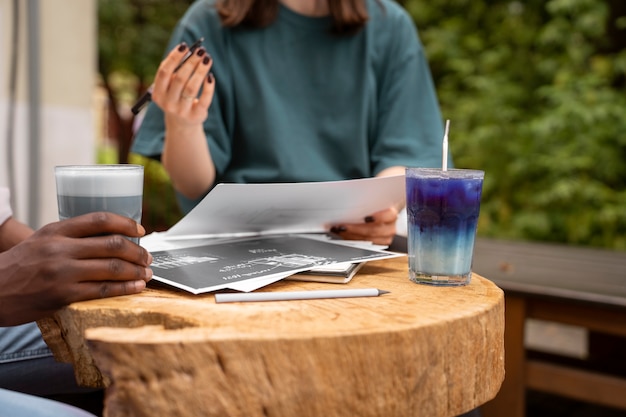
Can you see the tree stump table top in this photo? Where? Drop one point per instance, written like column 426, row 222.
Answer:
column 417, row 351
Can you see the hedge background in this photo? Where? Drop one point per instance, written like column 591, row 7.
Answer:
column 535, row 91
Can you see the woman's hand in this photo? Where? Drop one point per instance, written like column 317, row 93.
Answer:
column 78, row 259
column 185, row 94
column 379, row 228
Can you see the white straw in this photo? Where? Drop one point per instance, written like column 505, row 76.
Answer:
column 444, row 156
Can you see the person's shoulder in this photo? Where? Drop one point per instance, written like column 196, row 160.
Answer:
column 391, row 27
column 202, row 10
column 388, row 12
column 203, row 5
column 201, row 19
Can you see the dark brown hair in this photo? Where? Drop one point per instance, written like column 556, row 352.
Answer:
column 348, row 16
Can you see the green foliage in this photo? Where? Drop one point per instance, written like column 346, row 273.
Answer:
column 160, row 208
column 132, row 36
column 535, row 91
column 106, row 155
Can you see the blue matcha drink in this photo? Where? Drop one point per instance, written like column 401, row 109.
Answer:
column 442, row 214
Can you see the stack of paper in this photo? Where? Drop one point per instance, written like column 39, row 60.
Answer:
column 245, row 236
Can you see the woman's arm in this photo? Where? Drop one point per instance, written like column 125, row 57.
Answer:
column 193, row 158
column 184, row 96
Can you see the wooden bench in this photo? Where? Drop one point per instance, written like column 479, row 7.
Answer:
column 562, row 284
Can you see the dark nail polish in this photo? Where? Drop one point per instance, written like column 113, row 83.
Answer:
column 210, row 78
column 338, row 229
column 206, row 60
column 182, row 47
column 201, row 52
column 369, row 219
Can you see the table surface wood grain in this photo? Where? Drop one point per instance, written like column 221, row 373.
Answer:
column 418, row 351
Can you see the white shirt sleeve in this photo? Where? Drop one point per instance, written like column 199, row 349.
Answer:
column 5, row 206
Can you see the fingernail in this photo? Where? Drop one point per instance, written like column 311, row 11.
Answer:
column 150, row 258
column 369, row 219
column 148, row 274
column 182, row 47
column 140, row 229
column 206, row 60
column 201, row 52
column 338, row 229
column 210, row 78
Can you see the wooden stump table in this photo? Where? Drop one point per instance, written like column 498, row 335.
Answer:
column 417, row 351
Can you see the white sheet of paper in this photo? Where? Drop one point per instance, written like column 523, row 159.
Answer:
column 309, row 207
column 247, row 286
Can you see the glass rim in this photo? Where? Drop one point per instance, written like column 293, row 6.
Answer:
column 96, row 167
column 440, row 173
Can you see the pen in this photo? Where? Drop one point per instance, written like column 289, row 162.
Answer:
column 297, row 295
column 147, row 96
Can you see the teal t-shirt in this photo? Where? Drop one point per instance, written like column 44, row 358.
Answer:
column 295, row 103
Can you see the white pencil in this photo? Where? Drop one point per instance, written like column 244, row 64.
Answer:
column 297, row 295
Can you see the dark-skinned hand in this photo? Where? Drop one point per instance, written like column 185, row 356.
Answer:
column 78, row 259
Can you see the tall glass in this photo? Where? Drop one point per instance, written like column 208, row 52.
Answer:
column 442, row 216
column 116, row 188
